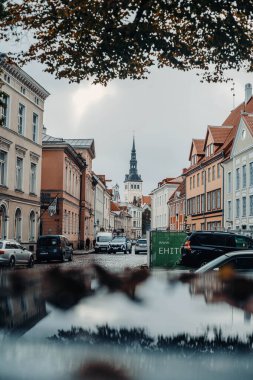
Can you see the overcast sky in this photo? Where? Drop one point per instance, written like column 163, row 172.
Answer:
column 165, row 112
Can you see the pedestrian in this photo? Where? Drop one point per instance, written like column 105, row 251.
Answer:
column 94, row 243
column 87, row 243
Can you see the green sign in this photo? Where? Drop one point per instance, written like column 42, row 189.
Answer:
column 164, row 248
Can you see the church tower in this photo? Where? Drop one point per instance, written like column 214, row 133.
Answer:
column 133, row 181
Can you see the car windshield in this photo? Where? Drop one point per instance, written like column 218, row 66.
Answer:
column 45, row 242
column 119, row 240
column 101, row 239
column 213, row 264
column 142, row 241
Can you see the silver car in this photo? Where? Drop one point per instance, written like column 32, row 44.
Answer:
column 141, row 246
column 12, row 253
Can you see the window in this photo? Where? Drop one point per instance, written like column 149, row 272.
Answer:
column 35, row 127
column 237, row 179
column 208, row 201
column 237, row 208
column 243, row 206
column 218, row 170
column 198, row 179
column 32, row 226
column 36, row 100
column 209, row 150
column 193, row 182
column 194, row 159
column 33, row 178
column 251, row 205
column 251, row 174
column 21, row 119
column 209, row 174
column 213, row 173
column 3, row 168
column 190, row 182
column 218, row 193
column 7, row 78
column 19, row 173
column 17, row 225
column 229, row 183
column 214, row 203
column 5, row 110
column 244, row 180
column 22, row 90
column 229, row 210
column 203, row 177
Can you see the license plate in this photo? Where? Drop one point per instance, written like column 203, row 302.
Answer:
column 43, row 253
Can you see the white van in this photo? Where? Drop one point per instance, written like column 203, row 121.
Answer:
column 102, row 241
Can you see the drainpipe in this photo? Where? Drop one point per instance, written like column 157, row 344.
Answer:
column 223, row 191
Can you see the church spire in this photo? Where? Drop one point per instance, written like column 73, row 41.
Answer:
column 133, row 172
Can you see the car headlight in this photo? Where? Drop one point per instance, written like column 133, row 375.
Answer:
column 123, row 246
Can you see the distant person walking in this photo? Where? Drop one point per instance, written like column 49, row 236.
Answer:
column 87, row 244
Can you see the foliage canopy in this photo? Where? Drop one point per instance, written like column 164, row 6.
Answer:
column 107, row 39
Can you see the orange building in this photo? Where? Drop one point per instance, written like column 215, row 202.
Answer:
column 63, row 179
column 204, row 178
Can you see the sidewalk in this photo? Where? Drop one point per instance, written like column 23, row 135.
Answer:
column 83, row 251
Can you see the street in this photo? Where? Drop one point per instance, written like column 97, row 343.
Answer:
column 114, row 262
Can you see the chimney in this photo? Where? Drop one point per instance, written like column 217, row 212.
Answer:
column 248, row 92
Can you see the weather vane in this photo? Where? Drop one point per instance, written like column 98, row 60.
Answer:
column 233, row 92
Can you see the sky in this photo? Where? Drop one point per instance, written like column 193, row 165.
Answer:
column 164, row 112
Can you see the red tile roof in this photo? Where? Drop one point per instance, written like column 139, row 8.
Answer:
column 115, row 206
column 146, row 199
column 235, row 115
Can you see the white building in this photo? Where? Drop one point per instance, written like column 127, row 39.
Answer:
column 102, row 207
column 159, row 202
column 238, row 174
column 136, row 214
column 133, row 181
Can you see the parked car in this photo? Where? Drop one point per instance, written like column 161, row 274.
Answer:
column 54, row 247
column 102, row 241
column 200, row 247
column 120, row 244
column 141, row 246
column 240, row 261
column 12, row 254
column 133, row 241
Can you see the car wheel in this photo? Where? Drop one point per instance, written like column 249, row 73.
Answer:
column 71, row 257
column 125, row 252
column 12, row 262
column 31, row 262
column 63, row 258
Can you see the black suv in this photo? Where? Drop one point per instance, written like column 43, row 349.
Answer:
column 200, row 247
column 54, row 247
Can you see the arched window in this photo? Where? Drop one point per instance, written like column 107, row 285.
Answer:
column 18, row 219
column 3, row 222
column 32, row 232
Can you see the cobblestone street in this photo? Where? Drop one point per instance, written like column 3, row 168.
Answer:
column 114, row 262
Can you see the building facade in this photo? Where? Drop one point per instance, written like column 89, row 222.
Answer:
column 20, row 155
column 63, row 171
column 159, row 202
column 102, row 204
column 238, row 179
column 133, row 181
column 176, row 204
column 136, row 216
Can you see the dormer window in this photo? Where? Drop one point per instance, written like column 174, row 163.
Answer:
column 209, row 150
column 194, row 159
column 22, row 90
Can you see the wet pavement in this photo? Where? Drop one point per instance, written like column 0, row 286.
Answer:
column 114, row 262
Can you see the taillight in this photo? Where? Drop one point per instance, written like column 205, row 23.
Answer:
column 187, row 245
column 2, row 252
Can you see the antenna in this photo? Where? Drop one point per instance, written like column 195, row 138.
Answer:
column 233, row 93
